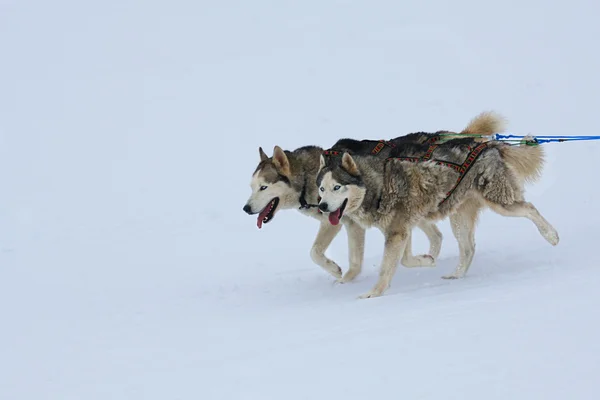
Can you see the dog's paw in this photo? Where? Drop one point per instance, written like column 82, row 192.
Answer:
column 348, row 277
column 551, row 236
column 455, row 275
column 424, row 260
column 336, row 271
column 375, row 292
column 369, row 295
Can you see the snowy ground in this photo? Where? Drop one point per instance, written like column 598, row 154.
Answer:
column 128, row 134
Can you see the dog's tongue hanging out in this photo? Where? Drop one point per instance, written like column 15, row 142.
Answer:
column 263, row 214
column 334, row 217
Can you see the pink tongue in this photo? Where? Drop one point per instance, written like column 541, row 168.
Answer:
column 334, row 217
column 261, row 216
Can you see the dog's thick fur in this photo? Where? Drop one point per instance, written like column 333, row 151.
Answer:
column 279, row 182
column 395, row 195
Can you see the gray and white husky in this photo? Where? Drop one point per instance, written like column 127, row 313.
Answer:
column 287, row 180
column 458, row 179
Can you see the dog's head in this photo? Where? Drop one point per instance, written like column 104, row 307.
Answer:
column 271, row 186
column 341, row 187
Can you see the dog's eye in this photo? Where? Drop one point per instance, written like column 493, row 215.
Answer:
column 322, row 189
column 263, row 187
column 336, row 187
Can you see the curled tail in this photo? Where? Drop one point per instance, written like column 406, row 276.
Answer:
column 527, row 161
column 486, row 123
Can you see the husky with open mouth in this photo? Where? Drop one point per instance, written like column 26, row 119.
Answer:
column 287, row 180
column 456, row 179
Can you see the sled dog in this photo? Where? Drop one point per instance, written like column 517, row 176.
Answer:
column 287, row 180
column 456, row 180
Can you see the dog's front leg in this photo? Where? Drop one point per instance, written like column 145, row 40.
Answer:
column 356, row 250
column 325, row 236
column 395, row 243
column 411, row 261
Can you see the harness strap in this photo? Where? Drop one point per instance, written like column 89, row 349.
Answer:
column 462, row 169
column 434, row 139
column 425, row 157
column 456, row 167
column 429, row 152
column 380, row 145
column 465, row 167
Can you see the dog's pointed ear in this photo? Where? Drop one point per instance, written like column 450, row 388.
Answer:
column 321, row 162
column 281, row 161
column 263, row 155
column 349, row 165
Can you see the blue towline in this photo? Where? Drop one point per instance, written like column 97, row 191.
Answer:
column 544, row 139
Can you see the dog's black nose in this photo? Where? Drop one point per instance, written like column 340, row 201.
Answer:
column 323, row 207
column 248, row 209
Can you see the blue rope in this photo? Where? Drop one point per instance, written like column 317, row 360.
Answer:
column 547, row 139
column 564, row 139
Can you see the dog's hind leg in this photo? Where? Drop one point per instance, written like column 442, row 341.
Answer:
column 356, row 250
column 411, row 261
column 434, row 235
column 528, row 210
column 463, row 226
column 395, row 243
column 325, row 236
column 463, row 223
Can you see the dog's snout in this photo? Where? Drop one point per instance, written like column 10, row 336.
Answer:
column 248, row 209
column 323, row 207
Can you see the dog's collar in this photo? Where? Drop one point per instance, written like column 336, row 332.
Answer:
column 303, row 203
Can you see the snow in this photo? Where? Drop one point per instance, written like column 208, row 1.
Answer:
column 128, row 134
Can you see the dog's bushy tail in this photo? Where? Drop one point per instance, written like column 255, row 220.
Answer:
column 486, row 123
column 527, row 161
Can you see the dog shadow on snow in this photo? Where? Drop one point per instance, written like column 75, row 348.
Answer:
column 488, row 269
column 303, row 282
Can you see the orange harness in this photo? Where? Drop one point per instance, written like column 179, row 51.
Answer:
column 379, row 146
column 462, row 169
